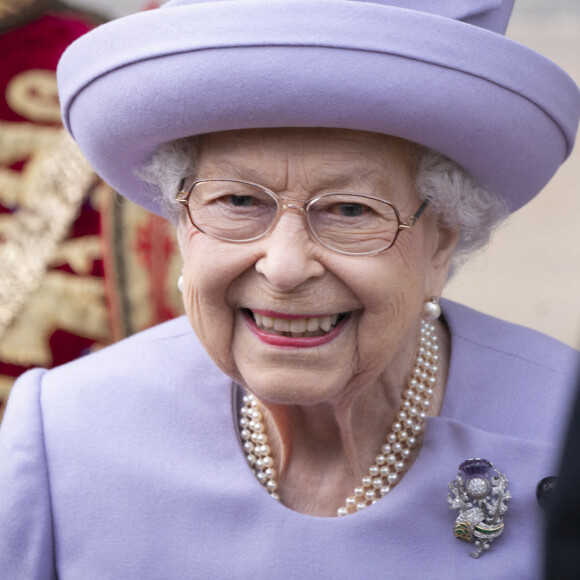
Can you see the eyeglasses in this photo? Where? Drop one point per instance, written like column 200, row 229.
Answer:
column 348, row 223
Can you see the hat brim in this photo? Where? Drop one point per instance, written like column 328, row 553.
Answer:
column 503, row 112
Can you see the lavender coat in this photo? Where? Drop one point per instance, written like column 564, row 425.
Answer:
column 126, row 465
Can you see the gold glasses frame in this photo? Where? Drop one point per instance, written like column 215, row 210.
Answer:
column 284, row 204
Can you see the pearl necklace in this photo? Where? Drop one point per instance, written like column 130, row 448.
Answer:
column 385, row 473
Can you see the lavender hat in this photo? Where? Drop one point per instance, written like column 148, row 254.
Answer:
column 439, row 73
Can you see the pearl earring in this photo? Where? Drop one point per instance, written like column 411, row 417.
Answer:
column 431, row 309
column 180, row 283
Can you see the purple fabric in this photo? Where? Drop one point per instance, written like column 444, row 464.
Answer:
column 126, row 464
column 505, row 113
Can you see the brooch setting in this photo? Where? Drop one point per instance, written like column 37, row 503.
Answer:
column 480, row 493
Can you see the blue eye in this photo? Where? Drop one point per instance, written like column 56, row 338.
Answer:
column 241, row 200
column 350, row 209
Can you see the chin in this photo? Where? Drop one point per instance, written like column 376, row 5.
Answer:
column 294, row 386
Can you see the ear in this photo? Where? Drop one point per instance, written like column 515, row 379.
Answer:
column 442, row 254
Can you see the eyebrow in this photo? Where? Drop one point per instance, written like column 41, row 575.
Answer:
column 235, row 170
column 359, row 178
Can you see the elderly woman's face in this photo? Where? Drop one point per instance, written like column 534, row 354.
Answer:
column 263, row 309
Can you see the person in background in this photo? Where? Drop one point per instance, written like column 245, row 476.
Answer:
column 563, row 529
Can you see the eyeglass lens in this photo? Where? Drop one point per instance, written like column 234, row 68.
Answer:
column 239, row 211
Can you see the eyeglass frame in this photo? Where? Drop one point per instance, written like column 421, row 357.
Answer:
column 182, row 197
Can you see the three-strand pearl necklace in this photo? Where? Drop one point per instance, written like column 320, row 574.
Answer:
column 386, row 471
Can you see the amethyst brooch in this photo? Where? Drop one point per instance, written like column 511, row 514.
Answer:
column 481, row 495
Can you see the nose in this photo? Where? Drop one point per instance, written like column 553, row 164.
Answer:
column 290, row 256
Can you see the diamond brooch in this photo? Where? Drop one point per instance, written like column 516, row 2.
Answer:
column 480, row 493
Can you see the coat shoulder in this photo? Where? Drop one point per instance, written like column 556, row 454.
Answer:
column 507, row 378
column 510, row 339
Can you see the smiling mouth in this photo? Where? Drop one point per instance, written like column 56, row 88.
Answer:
column 297, row 327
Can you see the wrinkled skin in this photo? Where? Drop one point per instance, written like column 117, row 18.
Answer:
column 328, row 407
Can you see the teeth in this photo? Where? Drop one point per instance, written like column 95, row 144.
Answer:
column 297, row 326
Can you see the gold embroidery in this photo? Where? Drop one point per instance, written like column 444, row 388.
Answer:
column 9, row 7
column 79, row 254
column 5, row 220
column 20, row 142
column 5, row 386
column 33, row 94
column 41, row 223
column 64, row 301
